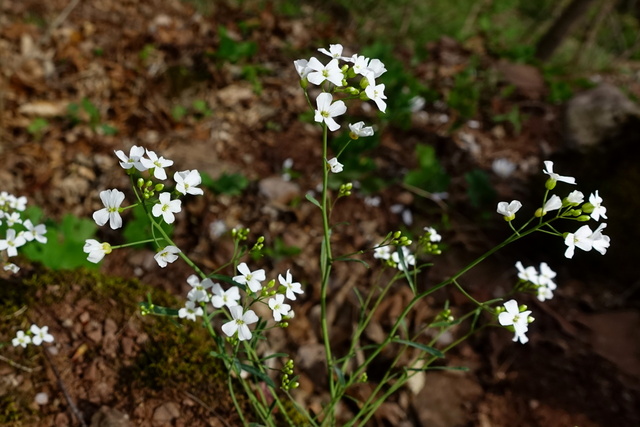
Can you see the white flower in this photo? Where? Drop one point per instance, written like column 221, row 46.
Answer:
column 433, row 234
column 549, row 171
column 166, row 255
column 199, row 289
column 190, row 311
column 327, row 110
column 546, row 276
column 554, row 203
column 292, row 288
column 35, row 233
column 220, row 297
column 512, row 316
column 376, row 69
column 508, row 210
column 187, row 181
column 529, row 274
column 13, row 218
column 335, row 51
column 40, row 335
column 503, row 167
column 21, row 340
column 133, row 160
column 575, row 197
column 383, row 252
column 12, row 242
column 359, row 129
column 18, row 203
column 278, row 307
column 166, row 207
column 11, row 267
column 335, row 165
column 319, row 72
column 96, row 250
column 361, row 66
column 302, row 67
column 598, row 209
column 157, row 164
column 409, row 259
column 250, row 278
column 240, row 323
column 111, row 199
column 580, row 239
column 376, row 94
column 599, row 241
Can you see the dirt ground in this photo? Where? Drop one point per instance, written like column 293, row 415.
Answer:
column 136, row 60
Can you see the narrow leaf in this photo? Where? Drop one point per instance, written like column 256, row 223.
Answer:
column 432, row 351
column 313, row 200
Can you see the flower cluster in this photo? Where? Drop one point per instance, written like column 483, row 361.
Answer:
column 20, row 231
column 164, row 207
column 542, row 281
column 206, row 291
column 570, row 207
column 35, row 335
column 335, row 78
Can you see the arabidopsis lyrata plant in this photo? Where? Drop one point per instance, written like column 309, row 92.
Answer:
column 225, row 301
column 35, row 335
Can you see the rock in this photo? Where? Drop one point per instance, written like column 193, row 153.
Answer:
column 599, row 115
column 166, row 413
column 110, row 417
column 527, row 79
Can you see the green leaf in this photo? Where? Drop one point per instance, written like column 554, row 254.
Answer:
column 312, row 199
column 139, row 227
column 231, row 184
column 348, row 259
column 340, row 375
column 271, row 356
column 158, row 310
column 432, row 351
column 254, row 371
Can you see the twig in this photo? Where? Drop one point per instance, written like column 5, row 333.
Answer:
column 16, row 365
column 59, row 20
column 207, row 407
column 74, row 408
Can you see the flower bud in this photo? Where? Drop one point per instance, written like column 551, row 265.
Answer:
column 140, row 182
column 587, row 208
column 539, row 212
column 159, row 187
column 583, row 218
column 550, row 184
column 397, row 234
column 304, row 83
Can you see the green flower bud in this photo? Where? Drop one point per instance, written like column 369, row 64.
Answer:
column 159, row 187
column 583, row 218
column 550, row 184
column 587, row 208
column 539, row 212
column 304, row 83
column 140, row 182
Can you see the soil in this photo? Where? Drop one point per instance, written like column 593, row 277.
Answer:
column 136, row 61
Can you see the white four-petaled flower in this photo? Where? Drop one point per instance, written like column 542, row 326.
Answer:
column 359, row 129
column 250, row 278
column 21, row 340
column 508, row 210
column 554, row 203
column 598, row 209
column 376, row 94
column 157, row 164
column 166, row 207
column 36, row 233
column 327, row 110
column 190, row 311
column 111, row 199
column 133, row 159
column 12, row 242
column 40, row 335
column 198, row 290
column 512, row 316
column 319, row 72
column 335, row 165
column 292, row 288
column 96, row 250
column 549, row 171
column 167, row 255
column 279, row 308
column 228, row 298
column 187, row 182
column 239, row 323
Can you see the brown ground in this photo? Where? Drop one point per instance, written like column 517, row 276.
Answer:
column 580, row 368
